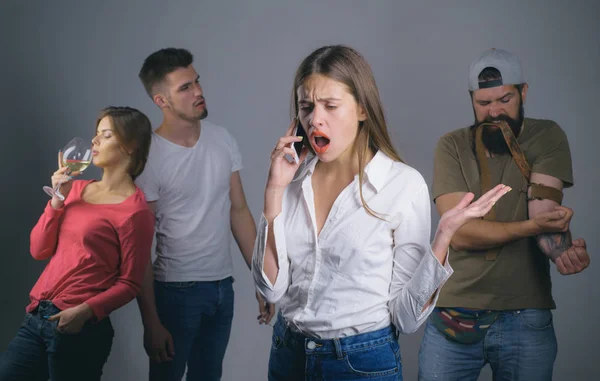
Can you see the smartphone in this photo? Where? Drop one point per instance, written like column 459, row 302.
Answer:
column 299, row 131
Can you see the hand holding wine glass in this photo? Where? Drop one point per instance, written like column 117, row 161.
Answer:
column 72, row 160
column 62, row 182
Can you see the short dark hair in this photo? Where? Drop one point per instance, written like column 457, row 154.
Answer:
column 493, row 74
column 133, row 130
column 160, row 63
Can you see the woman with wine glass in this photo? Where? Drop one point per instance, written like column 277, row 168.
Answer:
column 98, row 241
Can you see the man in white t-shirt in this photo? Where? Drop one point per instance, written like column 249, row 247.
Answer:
column 192, row 183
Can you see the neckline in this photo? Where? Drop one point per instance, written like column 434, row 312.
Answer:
column 170, row 142
column 126, row 200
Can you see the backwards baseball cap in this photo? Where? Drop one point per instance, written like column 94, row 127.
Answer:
column 506, row 63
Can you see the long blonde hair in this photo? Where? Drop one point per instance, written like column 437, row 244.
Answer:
column 345, row 65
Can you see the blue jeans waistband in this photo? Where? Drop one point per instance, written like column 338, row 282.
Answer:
column 191, row 283
column 349, row 343
column 46, row 308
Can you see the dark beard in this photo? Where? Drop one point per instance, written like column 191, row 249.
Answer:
column 195, row 118
column 493, row 139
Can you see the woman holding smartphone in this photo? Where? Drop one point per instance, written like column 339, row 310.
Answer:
column 343, row 244
column 98, row 243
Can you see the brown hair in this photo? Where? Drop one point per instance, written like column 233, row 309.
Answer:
column 345, row 65
column 133, row 131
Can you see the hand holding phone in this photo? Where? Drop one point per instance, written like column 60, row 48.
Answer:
column 283, row 162
column 299, row 131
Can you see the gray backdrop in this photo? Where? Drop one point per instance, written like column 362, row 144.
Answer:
column 62, row 61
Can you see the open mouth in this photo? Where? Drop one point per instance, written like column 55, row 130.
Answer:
column 319, row 141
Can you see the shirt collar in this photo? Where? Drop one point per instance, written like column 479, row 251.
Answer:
column 307, row 167
column 376, row 170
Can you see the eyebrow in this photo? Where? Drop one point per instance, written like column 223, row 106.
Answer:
column 320, row 100
column 103, row 130
column 510, row 93
column 189, row 83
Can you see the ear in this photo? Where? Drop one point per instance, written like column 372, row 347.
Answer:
column 160, row 100
column 127, row 151
column 362, row 115
column 524, row 91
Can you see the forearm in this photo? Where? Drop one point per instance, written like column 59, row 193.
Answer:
column 483, row 235
column 439, row 247
column 244, row 232
column 44, row 236
column 273, row 207
column 146, row 300
column 121, row 293
column 554, row 244
column 270, row 272
column 127, row 284
column 414, row 290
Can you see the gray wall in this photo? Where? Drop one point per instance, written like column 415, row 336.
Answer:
column 62, row 61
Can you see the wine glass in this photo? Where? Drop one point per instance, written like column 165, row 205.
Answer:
column 77, row 156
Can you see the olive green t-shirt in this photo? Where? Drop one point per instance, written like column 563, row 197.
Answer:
column 520, row 276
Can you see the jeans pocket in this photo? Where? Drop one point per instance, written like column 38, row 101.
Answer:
column 537, row 319
column 277, row 341
column 26, row 319
column 396, row 348
column 376, row 361
column 278, row 338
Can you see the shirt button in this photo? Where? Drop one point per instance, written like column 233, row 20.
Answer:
column 311, row 345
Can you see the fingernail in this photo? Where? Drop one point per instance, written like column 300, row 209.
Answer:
column 45, row 317
column 70, row 178
column 509, row 189
column 301, row 137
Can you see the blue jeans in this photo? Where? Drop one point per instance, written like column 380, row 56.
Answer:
column 198, row 316
column 368, row 356
column 39, row 351
column 520, row 345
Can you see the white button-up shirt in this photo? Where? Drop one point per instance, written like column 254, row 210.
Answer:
column 360, row 273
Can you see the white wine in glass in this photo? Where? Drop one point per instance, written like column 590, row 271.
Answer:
column 76, row 165
column 77, row 156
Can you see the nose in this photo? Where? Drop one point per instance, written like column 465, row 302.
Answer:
column 197, row 90
column 316, row 119
column 94, row 140
column 495, row 111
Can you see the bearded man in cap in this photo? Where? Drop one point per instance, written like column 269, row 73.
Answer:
column 496, row 308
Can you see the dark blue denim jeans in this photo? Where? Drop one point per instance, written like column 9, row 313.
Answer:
column 198, row 316
column 39, row 351
column 368, row 356
column 520, row 345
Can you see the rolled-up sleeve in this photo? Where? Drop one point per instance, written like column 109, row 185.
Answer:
column 271, row 292
column 417, row 274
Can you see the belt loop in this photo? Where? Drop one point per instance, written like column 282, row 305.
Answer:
column 338, row 349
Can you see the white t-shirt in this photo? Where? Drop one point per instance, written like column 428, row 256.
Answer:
column 191, row 188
